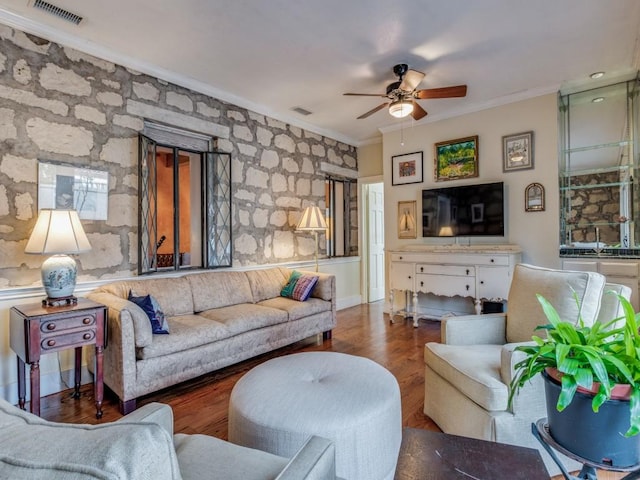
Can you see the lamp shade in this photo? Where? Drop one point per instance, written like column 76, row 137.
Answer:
column 445, row 232
column 401, row 108
column 57, row 231
column 312, row 219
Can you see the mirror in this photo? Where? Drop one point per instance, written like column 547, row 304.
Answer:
column 599, row 200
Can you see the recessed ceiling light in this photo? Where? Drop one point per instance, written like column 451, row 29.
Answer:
column 597, row 75
column 598, row 100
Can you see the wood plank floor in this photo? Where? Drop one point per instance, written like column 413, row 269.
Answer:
column 200, row 405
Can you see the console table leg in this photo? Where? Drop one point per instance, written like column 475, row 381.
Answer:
column 34, row 380
column 478, row 306
column 391, row 312
column 22, row 387
column 415, row 309
column 77, row 373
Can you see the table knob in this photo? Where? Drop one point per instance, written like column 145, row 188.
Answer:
column 86, row 321
column 51, row 326
column 51, row 343
column 86, row 336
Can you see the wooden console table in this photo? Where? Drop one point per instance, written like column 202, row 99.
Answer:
column 477, row 271
column 36, row 330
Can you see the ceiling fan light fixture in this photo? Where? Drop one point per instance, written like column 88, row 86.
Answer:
column 401, row 108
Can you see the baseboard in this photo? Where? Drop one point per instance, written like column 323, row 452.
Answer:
column 347, row 302
column 50, row 383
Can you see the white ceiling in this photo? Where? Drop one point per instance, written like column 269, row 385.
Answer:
column 273, row 55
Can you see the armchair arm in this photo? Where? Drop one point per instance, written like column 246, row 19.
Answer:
column 530, row 399
column 157, row 413
column 474, row 329
column 314, row 461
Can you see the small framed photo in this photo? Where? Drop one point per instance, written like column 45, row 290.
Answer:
column 534, row 198
column 73, row 188
column 517, row 152
column 406, row 168
column 456, row 159
column 407, row 225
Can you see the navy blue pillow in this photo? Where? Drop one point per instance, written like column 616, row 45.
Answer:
column 150, row 307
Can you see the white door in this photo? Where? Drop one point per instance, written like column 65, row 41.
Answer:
column 375, row 202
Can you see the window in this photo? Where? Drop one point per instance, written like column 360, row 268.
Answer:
column 339, row 193
column 184, row 214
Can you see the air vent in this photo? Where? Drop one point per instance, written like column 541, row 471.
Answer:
column 57, row 11
column 301, row 111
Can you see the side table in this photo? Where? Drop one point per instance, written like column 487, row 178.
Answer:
column 433, row 455
column 36, row 329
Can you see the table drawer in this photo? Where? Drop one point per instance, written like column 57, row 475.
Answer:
column 51, row 342
column 67, row 323
column 454, row 270
column 446, row 285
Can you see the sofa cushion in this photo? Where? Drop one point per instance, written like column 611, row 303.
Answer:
column 219, row 289
column 473, row 369
column 191, row 331
column 34, row 449
column 197, row 453
column 297, row 310
column 151, row 308
column 187, row 331
column 172, row 293
column 266, row 283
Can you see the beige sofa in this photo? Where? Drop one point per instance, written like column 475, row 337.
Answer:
column 141, row 446
column 215, row 318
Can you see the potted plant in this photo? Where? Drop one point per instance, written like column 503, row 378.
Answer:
column 584, row 368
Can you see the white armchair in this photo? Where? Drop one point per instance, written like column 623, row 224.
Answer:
column 467, row 376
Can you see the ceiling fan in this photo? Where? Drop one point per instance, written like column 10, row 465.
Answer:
column 402, row 94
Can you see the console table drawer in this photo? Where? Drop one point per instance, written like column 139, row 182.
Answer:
column 453, row 270
column 446, row 285
column 62, row 324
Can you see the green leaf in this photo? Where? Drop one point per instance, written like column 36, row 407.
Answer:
column 569, row 387
column 634, row 415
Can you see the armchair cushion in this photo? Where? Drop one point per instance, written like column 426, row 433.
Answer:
column 473, row 369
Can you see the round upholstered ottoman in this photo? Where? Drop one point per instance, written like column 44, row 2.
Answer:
column 350, row 400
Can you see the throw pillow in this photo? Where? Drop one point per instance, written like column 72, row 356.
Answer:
column 299, row 286
column 151, row 308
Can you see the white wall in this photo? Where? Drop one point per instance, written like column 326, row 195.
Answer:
column 536, row 232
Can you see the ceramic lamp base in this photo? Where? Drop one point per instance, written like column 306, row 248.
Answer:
column 59, row 276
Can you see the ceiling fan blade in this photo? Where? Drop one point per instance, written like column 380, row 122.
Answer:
column 365, row 94
column 444, row 92
column 411, row 80
column 418, row 112
column 372, row 111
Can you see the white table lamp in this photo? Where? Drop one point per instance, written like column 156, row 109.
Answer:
column 312, row 220
column 58, row 233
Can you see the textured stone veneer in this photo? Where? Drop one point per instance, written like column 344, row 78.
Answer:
column 61, row 105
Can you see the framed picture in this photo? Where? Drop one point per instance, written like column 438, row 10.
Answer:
column 517, row 152
column 407, row 225
column 456, row 159
column 406, row 168
column 534, row 198
column 68, row 187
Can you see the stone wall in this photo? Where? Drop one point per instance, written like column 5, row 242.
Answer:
column 61, row 105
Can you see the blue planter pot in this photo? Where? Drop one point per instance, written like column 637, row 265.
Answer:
column 598, row 437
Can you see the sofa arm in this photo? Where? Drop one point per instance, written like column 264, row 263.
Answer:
column 325, row 289
column 141, row 325
column 314, row 461
column 158, row 413
column 474, row 329
column 120, row 353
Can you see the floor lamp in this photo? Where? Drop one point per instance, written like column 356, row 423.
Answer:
column 312, row 220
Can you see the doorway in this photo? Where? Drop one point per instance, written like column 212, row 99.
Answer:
column 373, row 240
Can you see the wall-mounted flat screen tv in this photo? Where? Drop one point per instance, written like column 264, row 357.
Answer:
column 463, row 211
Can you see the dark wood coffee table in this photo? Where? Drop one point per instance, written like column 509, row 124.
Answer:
column 427, row 455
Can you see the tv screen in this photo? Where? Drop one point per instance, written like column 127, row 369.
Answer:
column 463, row 211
